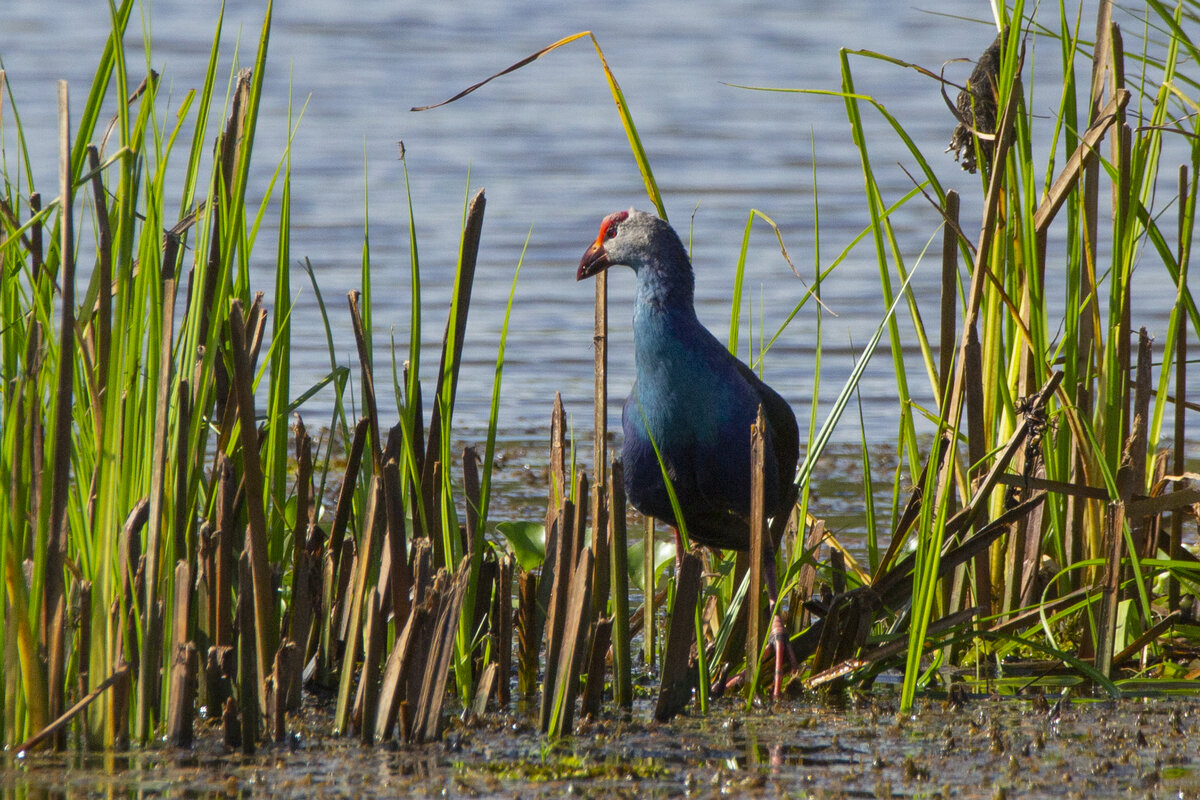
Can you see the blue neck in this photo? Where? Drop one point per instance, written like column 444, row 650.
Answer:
column 665, row 283
column 667, row 335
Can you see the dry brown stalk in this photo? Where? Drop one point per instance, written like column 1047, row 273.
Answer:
column 675, row 688
column 574, row 643
column 265, row 622
column 756, row 621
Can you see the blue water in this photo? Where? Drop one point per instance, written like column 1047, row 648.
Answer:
column 547, row 145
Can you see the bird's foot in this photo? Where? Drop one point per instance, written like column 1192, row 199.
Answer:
column 780, row 647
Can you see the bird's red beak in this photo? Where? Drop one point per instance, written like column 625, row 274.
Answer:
column 594, row 261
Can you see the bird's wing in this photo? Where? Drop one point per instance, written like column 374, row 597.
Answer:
column 785, row 434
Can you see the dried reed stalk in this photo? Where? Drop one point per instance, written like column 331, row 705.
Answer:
column 372, row 534
column 502, row 629
column 265, row 619
column 756, row 622
column 54, row 603
column 565, row 686
column 427, row 718
column 528, row 643
column 557, row 612
column 619, row 573
column 675, row 688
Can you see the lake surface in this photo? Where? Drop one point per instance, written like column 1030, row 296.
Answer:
column 547, row 144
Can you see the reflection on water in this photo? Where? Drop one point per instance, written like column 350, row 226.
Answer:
column 978, row 746
column 329, row 768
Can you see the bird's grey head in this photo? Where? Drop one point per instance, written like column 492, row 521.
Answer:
column 634, row 239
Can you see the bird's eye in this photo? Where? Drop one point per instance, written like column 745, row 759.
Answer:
column 611, row 231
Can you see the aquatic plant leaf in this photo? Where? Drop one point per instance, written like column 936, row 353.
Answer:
column 664, row 554
column 527, row 540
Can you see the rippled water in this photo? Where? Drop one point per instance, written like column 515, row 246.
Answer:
column 547, row 145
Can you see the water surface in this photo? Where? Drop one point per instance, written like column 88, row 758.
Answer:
column 547, row 145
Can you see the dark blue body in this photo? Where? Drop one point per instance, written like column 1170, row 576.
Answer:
column 698, row 402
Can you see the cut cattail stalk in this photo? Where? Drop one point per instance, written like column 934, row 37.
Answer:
column 120, row 677
column 757, row 625
column 528, row 644
column 182, row 702
column 502, row 629
column 557, row 613
column 675, row 689
column 248, row 685
column 358, row 600
column 593, row 689
column 427, row 712
column 265, row 620
column 619, row 573
column 565, row 686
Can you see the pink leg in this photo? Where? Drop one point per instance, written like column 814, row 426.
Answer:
column 778, row 633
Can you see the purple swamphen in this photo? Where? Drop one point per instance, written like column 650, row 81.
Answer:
column 696, row 400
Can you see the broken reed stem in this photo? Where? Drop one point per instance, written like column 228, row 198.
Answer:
column 60, row 724
column 181, row 702
column 427, row 717
column 565, row 687
column 1110, row 590
column 756, row 624
column 528, row 643
column 599, row 498
column 248, row 685
column 345, row 501
column 557, row 613
column 949, row 293
column 104, row 295
column 368, row 681
column 54, row 609
column 558, row 457
column 619, row 573
column 579, row 528
column 956, row 589
column 147, row 686
column 675, row 689
column 597, row 655
column 470, row 467
column 502, row 624
column 83, row 677
column 649, row 629
column 265, row 621
column 367, row 553
column 284, row 676
column 1175, row 536
column 1139, row 435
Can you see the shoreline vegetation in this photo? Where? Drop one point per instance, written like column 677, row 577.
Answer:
column 174, row 538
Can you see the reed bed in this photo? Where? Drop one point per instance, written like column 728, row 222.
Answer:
column 172, row 541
